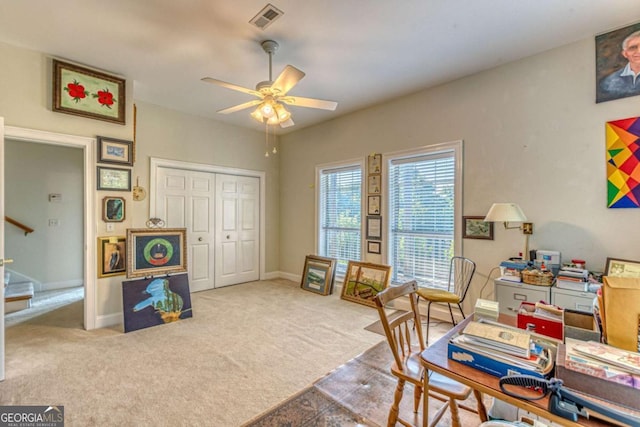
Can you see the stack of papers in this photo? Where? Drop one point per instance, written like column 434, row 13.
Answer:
column 572, row 278
column 507, row 340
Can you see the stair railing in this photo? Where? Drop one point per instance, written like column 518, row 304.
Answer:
column 20, row 225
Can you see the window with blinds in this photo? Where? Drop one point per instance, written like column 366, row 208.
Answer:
column 421, row 217
column 340, row 214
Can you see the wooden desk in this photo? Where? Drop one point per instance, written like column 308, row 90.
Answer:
column 434, row 358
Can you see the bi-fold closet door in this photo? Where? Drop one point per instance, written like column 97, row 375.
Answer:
column 221, row 214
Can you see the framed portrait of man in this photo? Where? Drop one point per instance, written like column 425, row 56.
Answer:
column 618, row 64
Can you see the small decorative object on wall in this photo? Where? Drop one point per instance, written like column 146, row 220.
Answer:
column 156, row 252
column 622, row 268
column 112, row 150
column 114, row 179
column 374, row 227
column 623, row 157
column 138, row 193
column 111, row 256
column 374, row 205
column 474, row 227
column 373, row 247
column 151, row 302
column 318, row 275
column 616, row 63
column 374, row 184
column 84, row 92
column 375, row 163
column 155, row 223
column 363, row 281
column 113, row 209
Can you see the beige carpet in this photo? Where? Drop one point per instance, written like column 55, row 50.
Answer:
column 247, row 348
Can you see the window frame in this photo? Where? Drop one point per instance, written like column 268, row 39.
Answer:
column 357, row 163
column 454, row 147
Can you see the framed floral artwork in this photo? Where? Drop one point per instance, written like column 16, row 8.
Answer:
column 88, row 93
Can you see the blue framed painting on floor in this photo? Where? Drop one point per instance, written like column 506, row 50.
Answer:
column 155, row 301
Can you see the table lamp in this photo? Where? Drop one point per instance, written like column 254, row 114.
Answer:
column 511, row 212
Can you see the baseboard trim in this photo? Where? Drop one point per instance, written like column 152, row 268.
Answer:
column 108, row 320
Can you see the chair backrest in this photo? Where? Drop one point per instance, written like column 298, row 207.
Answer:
column 461, row 272
column 403, row 331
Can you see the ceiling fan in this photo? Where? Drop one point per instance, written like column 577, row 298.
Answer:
column 272, row 94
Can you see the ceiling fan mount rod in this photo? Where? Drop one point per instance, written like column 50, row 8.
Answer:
column 270, row 47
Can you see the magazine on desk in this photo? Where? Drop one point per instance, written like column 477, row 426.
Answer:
column 516, row 342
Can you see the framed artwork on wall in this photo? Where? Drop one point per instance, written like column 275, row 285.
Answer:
column 375, row 163
column 623, row 190
column 373, row 247
column 112, row 252
column 475, row 227
column 153, row 252
column 113, row 209
column 373, row 205
column 114, row 179
column 374, row 227
column 318, row 275
column 622, row 268
column 111, row 150
column 363, row 281
column 616, row 63
column 88, row 93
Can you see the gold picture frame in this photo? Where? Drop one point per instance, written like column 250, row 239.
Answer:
column 153, row 252
column 318, row 275
column 363, row 281
column 112, row 255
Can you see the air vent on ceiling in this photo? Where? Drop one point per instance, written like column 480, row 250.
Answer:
column 266, row 16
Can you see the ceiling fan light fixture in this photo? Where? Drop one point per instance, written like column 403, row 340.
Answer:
column 266, row 108
column 282, row 113
column 257, row 114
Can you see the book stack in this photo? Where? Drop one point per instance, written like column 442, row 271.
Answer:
column 510, row 270
column 501, row 350
column 572, row 278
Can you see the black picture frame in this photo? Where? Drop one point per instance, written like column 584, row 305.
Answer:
column 116, row 151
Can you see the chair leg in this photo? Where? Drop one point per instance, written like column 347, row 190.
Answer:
column 428, row 322
column 455, row 415
column 395, row 407
column 461, row 312
column 451, row 313
column 417, row 398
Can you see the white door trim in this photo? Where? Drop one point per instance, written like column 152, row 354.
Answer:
column 156, row 163
column 87, row 144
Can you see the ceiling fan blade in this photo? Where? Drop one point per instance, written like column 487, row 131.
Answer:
column 288, row 78
column 231, row 86
column 287, row 123
column 240, row 107
column 309, row 102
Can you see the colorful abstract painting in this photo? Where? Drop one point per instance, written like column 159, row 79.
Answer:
column 623, row 163
column 156, row 301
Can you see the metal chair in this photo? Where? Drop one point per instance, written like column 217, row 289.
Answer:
column 404, row 335
column 461, row 272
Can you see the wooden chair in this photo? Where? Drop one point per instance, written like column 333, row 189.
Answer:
column 404, row 335
column 461, row 272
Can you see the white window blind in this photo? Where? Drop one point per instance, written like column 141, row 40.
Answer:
column 421, row 223
column 340, row 216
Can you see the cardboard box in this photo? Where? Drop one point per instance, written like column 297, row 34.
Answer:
column 580, row 325
column 588, row 382
column 527, row 319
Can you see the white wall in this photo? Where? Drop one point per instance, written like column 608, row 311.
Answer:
column 53, row 256
column 533, row 135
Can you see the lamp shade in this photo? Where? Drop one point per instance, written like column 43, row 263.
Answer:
column 505, row 212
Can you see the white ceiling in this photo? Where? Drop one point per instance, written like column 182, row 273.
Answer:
column 356, row 52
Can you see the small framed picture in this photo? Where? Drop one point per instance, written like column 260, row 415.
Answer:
column 374, row 205
column 375, row 163
column 152, row 252
column 616, row 267
column 113, row 209
column 112, row 150
column 114, row 179
column 373, row 247
column 318, row 275
column 374, row 184
column 111, row 256
column 374, row 227
column 475, row 227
